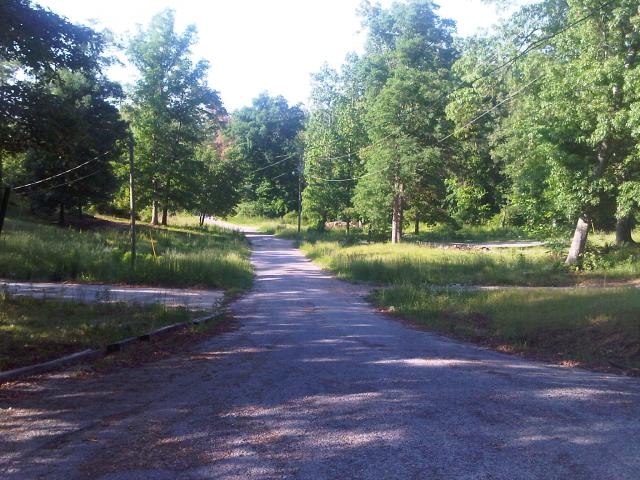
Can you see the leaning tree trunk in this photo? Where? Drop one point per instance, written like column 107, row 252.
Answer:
column 579, row 241
column 624, row 226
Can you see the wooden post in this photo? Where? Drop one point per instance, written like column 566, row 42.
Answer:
column 132, row 205
column 299, row 195
column 3, row 206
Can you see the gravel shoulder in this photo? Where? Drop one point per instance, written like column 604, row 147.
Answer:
column 314, row 383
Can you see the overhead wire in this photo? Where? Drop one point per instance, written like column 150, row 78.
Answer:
column 495, row 107
column 43, row 180
column 536, row 44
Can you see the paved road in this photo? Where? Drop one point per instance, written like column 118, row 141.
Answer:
column 194, row 299
column 314, row 384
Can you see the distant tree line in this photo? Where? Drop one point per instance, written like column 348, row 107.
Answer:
column 534, row 125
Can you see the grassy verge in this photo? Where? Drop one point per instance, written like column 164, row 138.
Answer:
column 183, row 256
column 33, row 330
column 596, row 328
column 388, row 264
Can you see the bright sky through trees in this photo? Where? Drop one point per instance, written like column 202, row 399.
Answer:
column 259, row 45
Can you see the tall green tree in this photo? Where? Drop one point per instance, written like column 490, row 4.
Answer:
column 172, row 112
column 409, row 56
column 81, row 133
column 218, row 185
column 264, row 139
column 576, row 123
column 333, row 138
column 35, row 44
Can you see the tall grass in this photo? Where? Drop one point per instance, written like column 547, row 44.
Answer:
column 207, row 257
column 594, row 327
column 418, row 265
column 33, row 330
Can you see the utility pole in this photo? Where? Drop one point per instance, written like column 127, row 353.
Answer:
column 299, row 194
column 3, row 206
column 132, row 204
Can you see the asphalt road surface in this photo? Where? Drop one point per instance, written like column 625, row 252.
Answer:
column 193, row 299
column 314, row 384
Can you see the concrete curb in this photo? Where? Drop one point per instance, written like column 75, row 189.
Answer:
column 27, row 371
column 92, row 354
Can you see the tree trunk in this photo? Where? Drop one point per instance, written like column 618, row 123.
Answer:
column 165, row 211
column 396, row 215
column 416, row 228
column 623, row 230
column 202, row 217
column 61, row 219
column 348, row 226
column 154, row 212
column 579, row 241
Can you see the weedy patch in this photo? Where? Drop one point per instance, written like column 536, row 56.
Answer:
column 595, row 328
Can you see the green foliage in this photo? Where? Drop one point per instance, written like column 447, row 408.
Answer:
column 408, row 59
column 333, row 138
column 38, row 49
column 173, row 112
column 218, row 183
column 78, row 125
column 264, row 143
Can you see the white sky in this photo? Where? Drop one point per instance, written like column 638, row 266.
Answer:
column 259, row 45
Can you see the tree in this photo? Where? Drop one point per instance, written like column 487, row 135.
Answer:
column 218, row 184
column 476, row 183
column 172, row 112
column 576, row 120
column 264, row 139
column 35, row 44
column 409, row 56
column 80, row 131
column 333, row 138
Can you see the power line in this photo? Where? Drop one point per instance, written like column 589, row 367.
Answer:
column 486, row 112
column 71, row 182
column 338, row 180
column 533, row 46
column 286, row 157
column 37, row 182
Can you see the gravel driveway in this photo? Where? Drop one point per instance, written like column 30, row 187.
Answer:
column 314, row 384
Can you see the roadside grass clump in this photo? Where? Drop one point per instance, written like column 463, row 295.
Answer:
column 412, row 264
column 35, row 330
column 188, row 256
column 591, row 327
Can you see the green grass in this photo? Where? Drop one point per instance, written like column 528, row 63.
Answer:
column 33, row 330
column 469, row 233
column 591, row 327
column 388, row 264
column 265, row 225
column 174, row 256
